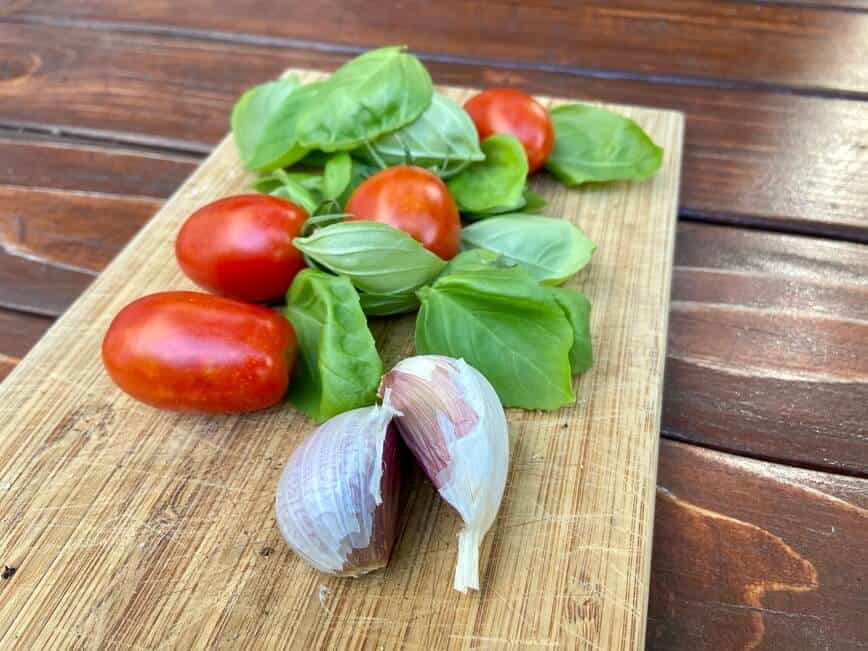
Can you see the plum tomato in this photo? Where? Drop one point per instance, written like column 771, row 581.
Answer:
column 413, row 200
column 506, row 110
column 241, row 246
column 189, row 351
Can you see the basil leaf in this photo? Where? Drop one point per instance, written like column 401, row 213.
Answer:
column 338, row 367
column 267, row 183
column 375, row 257
column 577, row 308
column 388, row 304
column 533, row 202
column 296, row 192
column 474, row 260
column 337, row 175
column 358, row 173
column 443, row 138
column 593, row 144
column 380, row 91
column 550, row 249
column 505, row 325
column 495, row 184
column 263, row 124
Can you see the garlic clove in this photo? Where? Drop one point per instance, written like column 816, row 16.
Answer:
column 452, row 421
column 337, row 498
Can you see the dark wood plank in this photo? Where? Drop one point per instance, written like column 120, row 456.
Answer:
column 18, row 333
column 33, row 286
column 804, row 47
column 768, row 347
column 751, row 157
column 752, row 555
column 56, row 165
column 78, row 230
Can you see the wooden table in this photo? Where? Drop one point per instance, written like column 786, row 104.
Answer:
column 761, row 533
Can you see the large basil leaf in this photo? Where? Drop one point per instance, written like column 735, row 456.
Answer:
column 505, row 325
column 263, row 124
column 593, row 144
column 376, row 257
column 388, row 304
column 495, row 184
column 443, row 138
column 577, row 307
column 338, row 367
column 550, row 249
column 380, row 91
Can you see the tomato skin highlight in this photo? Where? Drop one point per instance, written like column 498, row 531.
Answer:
column 241, row 246
column 188, row 351
column 507, row 110
column 413, row 200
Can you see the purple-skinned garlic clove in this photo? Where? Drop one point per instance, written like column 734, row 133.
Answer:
column 452, row 421
column 337, row 498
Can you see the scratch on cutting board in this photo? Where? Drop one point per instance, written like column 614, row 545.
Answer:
column 506, row 641
column 323, row 595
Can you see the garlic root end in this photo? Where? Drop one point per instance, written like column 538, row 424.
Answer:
column 467, row 566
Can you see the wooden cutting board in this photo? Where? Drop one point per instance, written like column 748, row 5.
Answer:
column 135, row 528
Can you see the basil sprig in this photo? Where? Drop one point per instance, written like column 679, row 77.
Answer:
column 338, row 367
column 278, row 123
column 593, row 144
column 376, row 257
column 551, row 250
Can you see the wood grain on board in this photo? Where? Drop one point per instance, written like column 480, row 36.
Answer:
column 753, row 555
column 752, row 156
column 781, row 375
column 807, row 48
column 131, row 526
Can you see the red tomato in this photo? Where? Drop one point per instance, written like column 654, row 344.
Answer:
column 413, row 200
column 242, row 246
column 188, row 351
column 506, row 110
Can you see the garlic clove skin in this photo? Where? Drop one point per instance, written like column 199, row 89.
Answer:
column 337, row 498
column 452, row 421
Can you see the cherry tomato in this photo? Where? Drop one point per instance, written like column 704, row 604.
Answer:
column 413, row 200
column 241, row 246
column 189, row 351
column 506, row 110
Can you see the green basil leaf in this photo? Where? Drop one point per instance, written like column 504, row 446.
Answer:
column 474, row 260
column 267, row 183
column 338, row 367
column 263, row 124
column 359, row 172
column 337, row 175
column 577, row 308
column 380, row 91
column 495, row 184
column 388, row 304
column 550, row 249
column 505, row 325
column 533, row 202
column 593, row 144
column 443, row 138
column 376, row 257
column 296, row 192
